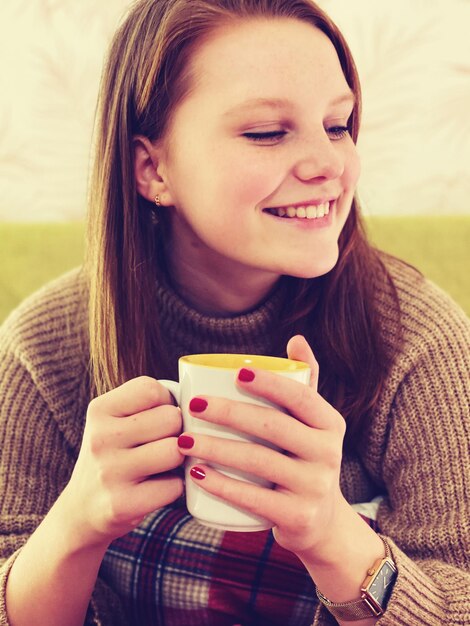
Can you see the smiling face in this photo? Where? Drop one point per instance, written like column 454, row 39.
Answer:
column 258, row 165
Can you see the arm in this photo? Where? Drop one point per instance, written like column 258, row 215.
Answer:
column 35, row 463
column 53, row 576
column 314, row 521
column 426, row 469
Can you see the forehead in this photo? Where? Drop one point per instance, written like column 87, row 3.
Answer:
column 264, row 57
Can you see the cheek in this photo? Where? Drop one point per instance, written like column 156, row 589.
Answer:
column 246, row 182
column 352, row 169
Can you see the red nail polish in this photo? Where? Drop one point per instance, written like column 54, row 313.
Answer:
column 198, row 405
column 198, row 473
column 246, row 376
column 185, row 441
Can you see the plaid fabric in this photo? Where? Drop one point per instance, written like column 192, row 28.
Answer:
column 172, row 571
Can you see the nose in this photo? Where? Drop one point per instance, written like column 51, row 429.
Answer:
column 319, row 159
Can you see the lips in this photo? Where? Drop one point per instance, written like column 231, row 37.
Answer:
column 307, row 211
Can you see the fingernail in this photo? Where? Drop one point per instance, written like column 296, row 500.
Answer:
column 198, row 473
column 246, row 376
column 185, row 441
column 197, row 405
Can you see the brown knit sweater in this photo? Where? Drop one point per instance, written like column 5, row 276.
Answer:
column 418, row 451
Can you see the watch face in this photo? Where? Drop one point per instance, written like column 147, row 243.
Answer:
column 382, row 585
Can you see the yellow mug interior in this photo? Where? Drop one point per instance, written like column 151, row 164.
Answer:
column 236, row 361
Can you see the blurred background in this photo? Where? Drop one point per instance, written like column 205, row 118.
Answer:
column 413, row 58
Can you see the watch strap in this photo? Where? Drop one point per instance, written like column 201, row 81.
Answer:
column 357, row 609
column 349, row 611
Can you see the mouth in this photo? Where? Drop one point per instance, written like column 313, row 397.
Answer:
column 308, row 211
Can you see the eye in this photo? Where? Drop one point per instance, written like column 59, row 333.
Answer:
column 337, row 132
column 271, row 136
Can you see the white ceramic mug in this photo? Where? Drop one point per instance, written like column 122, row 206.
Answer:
column 215, row 375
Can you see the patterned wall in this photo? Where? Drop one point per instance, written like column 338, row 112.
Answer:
column 413, row 57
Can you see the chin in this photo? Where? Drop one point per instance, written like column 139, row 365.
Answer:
column 314, row 269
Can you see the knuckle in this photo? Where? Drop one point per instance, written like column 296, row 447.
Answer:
column 145, row 381
column 339, row 424
column 254, row 501
column 118, row 512
column 301, row 519
column 94, row 438
column 331, row 450
column 105, row 477
column 146, row 385
column 305, row 399
column 96, row 444
column 258, row 461
column 152, row 391
column 334, row 457
column 94, row 408
column 250, row 500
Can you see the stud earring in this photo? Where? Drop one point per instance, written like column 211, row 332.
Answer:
column 157, row 200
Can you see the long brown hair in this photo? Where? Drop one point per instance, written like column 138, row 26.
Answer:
column 144, row 79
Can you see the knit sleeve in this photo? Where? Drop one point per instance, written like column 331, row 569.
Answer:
column 36, row 461
column 426, row 470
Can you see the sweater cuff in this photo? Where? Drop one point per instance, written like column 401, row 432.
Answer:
column 4, row 573
column 415, row 599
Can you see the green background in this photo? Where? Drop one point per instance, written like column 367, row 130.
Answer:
column 32, row 254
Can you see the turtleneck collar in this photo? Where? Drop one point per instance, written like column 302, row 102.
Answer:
column 187, row 331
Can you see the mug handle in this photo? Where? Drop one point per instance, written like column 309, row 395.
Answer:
column 173, row 387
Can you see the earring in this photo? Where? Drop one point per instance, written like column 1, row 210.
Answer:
column 157, row 200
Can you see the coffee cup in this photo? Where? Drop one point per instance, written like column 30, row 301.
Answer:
column 215, row 375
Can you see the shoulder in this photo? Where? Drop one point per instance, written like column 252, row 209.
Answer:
column 428, row 382
column 46, row 337
column 55, row 314
column 428, row 319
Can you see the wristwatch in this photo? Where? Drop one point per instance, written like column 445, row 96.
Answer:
column 375, row 592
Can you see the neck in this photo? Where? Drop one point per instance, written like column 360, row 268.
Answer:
column 218, row 291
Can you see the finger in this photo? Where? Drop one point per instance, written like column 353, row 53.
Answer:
column 264, row 423
column 154, row 493
column 297, row 399
column 151, row 425
column 299, row 350
column 152, row 458
column 258, row 500
column 134, row 396
column 249, row 458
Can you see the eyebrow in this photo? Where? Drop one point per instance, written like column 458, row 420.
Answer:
column 346, row 97
column 281, row 103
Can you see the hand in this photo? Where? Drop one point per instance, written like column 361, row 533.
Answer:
column 129, row 445
column 307, row 497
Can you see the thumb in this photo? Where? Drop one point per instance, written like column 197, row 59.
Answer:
column 299, row 350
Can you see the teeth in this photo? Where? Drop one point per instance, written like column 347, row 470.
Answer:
column 309, row 212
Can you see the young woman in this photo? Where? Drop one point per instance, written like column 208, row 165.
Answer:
column 223, row 219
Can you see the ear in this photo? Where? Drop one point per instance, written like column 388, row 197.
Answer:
column 149, row 170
